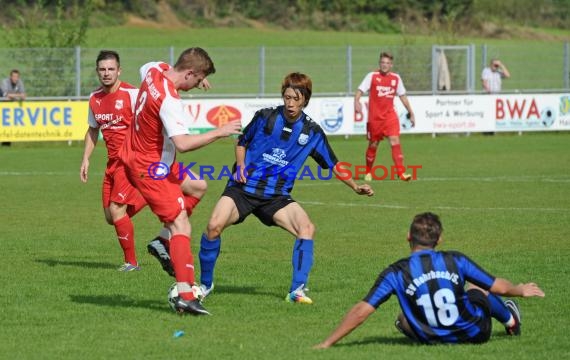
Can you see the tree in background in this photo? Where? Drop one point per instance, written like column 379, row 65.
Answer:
column 49, row 31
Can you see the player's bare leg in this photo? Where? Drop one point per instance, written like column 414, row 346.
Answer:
column 224, row 214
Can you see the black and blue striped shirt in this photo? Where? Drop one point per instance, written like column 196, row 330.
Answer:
column 277, row 149
column 430, row 286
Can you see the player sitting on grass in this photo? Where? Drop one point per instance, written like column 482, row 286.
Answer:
column 438, row 304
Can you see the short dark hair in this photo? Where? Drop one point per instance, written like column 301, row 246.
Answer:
column 15, row 71
column 108, row 55
column 426, row 229
column 301, row 83
column 197, row 59
column 386, row 54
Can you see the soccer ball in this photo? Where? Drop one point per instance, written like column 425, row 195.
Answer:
column 548, row 117
column 173, row 296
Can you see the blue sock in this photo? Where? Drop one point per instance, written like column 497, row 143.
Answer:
column 302, row 262
column 209, row 251
column 498, row 308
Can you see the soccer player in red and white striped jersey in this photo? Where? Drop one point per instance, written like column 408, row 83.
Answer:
column 161, row 128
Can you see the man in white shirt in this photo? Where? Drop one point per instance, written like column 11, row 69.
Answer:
column 492, row 76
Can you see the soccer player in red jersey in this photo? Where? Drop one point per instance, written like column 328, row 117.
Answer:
column 383, row 121
column 160, row 129
column 111, row 109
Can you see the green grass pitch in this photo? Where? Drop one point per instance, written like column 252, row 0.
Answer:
column 504, row 200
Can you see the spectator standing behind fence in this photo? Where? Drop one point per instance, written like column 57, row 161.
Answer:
column 492, row 76
column 383, row 85
column 13, row 89
column 13, row 86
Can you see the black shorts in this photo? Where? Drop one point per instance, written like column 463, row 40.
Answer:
column 263, row 209
column 479, row 299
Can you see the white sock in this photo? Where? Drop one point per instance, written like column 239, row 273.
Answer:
column 164, row 233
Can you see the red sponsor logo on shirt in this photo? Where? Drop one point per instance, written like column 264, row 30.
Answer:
column 221, row 115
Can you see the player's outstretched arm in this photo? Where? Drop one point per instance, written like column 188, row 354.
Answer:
column 363, row 189
column 185, row 143
column 506, row 288
column 356, row 316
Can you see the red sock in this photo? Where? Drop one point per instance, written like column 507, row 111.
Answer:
column 370, row 157
column 191, row 202
column 398, row 158
column 182, row 262
column 126, row 235
column 139, row 204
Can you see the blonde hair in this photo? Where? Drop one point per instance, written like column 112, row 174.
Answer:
column 197, row 59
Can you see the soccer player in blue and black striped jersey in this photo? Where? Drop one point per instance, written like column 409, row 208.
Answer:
column 269, row 154
column 444, row 296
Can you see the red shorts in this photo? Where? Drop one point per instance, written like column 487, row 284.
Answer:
column 118, row 189
column 377, row 130
column 164, row 196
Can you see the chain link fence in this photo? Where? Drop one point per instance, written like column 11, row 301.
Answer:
column 258, row 71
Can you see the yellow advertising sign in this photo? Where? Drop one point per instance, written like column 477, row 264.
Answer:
column 43, row 120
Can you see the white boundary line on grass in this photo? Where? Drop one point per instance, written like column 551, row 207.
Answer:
column 43, row 173
column 543, row 178
column 382, row 206
column 34, row 173
column 561, row 179
column 535, row 178
column 464, row 208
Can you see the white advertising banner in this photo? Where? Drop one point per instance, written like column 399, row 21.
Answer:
column 434, row 113
column 334, row 114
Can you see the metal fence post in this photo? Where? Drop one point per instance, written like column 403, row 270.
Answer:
column 484, row 55
column 262, row 71
column 566, row 65
column 171, row 55
column 349, row 69
column 471, row 70
column 78, row 71
column 433, row 69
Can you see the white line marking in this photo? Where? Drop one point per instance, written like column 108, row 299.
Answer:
column 462, row 208
column 318, row 182
column 43, row 173
column 537, row 178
